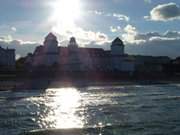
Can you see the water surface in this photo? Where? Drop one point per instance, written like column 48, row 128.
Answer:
column 108, row 110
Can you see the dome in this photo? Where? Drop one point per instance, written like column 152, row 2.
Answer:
column 117, row 41
column 117, row 47
column 72, row 40
column 50, row 36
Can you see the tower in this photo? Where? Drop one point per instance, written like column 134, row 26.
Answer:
column 117, row 47
column 51, row 44
column 73, row 46
column 51, row 53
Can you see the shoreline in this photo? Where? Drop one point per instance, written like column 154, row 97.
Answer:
column 45, row 83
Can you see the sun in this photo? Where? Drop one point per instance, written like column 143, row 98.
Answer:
column 65, row 12
column 64, row 15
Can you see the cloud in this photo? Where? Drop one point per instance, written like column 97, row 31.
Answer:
column 115, row 29
column 129, row 34
column 172, row 34
column 24, row 47
column 147, row 36
column 164, row 12
column 83, row 36
column 121, row 17
column 96, row 12
column 166, row 44
column 18, row 56
column 151, row 43
column 13, row 29
column 97, row 37
column 7, row 38
column 118, row 16
column 155, row 47
column 21, row 47
column 150, row 36
column 130, row 29
column 7, row 28
column 105, row 46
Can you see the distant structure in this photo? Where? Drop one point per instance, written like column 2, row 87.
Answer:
column 117, row 47
column 74, row 58
column 7, row 58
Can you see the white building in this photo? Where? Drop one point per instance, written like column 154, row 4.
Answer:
column 75, row 58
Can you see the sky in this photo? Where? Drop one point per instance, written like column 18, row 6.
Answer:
column 147, row 27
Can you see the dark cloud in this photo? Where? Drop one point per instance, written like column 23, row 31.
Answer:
column 154, row 43
column 151, row 35
column 146, row 36
column 169, row 48
column 103, row 37
column 172, row 34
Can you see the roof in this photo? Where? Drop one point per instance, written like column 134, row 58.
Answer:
column 50, row 36
column 39, row 50
column 117, row 41
column 6, row 50
column 72, row 40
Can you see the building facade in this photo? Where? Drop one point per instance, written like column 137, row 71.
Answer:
column 7, row 58
column 75, row 58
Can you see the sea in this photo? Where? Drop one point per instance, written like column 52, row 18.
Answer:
column 92, row 110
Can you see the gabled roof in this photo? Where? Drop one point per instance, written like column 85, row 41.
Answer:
column 50, row 36
column 117, row 41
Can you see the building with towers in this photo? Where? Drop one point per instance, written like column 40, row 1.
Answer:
column 74, row 58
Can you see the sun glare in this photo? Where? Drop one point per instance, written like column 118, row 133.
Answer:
column 65, row 11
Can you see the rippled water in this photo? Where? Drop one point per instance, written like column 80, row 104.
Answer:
column 109, row 110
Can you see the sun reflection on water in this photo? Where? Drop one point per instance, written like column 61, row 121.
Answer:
column 74, row 108
column 63, row 109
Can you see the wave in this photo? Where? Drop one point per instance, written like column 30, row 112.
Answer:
column 96, row 130
column 169, row 98
column 109, row 129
